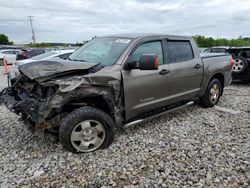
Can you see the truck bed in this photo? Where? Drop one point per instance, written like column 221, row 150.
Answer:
column 219, row 63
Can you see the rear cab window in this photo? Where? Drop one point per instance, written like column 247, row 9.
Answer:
column 179, row 51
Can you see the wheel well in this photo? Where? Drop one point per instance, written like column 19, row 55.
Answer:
column 220, row 77
column 101, row 102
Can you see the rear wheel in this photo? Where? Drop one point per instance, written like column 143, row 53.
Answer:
column 212, row 94
column 86, row 129
column 240, row 65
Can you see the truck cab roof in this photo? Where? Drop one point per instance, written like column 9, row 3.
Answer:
column 146, row 35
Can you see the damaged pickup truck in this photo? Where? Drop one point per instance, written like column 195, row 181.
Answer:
column 114, row 82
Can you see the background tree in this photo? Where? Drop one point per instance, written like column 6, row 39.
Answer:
column 203, row 41
column 41, row 45
column 5, row 40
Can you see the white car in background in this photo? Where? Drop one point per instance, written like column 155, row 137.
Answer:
column 9, row 54
column 63, row 54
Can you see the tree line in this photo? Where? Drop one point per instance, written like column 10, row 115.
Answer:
column 5, row 40
column 202, row 41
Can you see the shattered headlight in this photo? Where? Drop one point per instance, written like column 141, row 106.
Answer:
column 12, row 76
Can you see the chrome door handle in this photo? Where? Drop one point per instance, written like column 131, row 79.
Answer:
column 197, row 66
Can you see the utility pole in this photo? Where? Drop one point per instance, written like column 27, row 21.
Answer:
column 32, row 30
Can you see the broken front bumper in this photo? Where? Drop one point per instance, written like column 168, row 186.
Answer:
column 33, row 113
column 22, row 106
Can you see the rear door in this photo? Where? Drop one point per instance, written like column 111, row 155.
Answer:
column 144, row 89
column 186, row 70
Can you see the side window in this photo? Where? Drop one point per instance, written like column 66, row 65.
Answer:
column 16, row 52
column 7, row 52
column 180, row 51
column 148, row 48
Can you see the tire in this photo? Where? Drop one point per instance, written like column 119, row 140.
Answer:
column 212, row 96
column 93, row 128
column 241, row 64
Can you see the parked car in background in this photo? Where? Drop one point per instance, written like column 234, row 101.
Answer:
column 5, row 47
column 63, row 54
column 241, row 68
column 27, row 54
column 114, row 82
column 9, row 54
column 216, row 49
column 241, row 56
column 204, row 50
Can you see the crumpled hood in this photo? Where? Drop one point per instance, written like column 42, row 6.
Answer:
column 53, row 67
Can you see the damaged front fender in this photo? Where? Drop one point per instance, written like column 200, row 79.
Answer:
column 77, row 88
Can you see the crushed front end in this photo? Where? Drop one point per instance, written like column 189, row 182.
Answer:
column 42, row 102
column 29, row 99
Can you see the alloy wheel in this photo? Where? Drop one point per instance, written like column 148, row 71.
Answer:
column 238, row 66
column 214, row 93
column 87, row 136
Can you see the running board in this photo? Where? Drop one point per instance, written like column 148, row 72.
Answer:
column 127, row 125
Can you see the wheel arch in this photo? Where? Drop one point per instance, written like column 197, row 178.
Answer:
column 99, row 101
column 219, row 76
column 208, row 78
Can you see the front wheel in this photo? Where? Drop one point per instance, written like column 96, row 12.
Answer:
column 212, row 94
column 86, row 129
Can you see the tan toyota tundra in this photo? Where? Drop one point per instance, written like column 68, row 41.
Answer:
column 114, row 82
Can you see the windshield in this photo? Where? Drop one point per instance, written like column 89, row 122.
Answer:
column 105, row 51
column 44, row 55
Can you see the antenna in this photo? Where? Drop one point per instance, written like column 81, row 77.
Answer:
column 32, row 30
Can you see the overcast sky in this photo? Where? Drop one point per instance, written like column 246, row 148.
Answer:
column 78, row 20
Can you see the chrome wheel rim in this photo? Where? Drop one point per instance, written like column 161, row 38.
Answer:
column 87, row 136
column 238, row 66
column 214, row 93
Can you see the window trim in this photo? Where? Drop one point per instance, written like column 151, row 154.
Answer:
column 168, row 49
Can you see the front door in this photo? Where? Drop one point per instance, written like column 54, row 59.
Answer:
column 144, row 89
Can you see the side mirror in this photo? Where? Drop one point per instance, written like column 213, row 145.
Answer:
column 148, row 62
